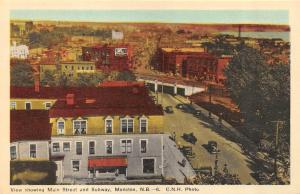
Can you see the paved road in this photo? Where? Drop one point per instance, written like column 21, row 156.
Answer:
column 231, row 154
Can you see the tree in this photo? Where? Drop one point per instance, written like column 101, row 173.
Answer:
column 49, row 78
column 126, row 76
column 62, row 80
column 87, row 80
column 261, row 91
column 21, row 75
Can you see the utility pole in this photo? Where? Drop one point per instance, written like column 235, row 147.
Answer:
column 279, row 124
column 216, row 164
column 162, row 92
column 209, row 92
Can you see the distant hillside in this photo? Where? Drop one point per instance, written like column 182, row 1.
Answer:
column 203, row 27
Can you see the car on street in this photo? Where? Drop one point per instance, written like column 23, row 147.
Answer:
column 189, row 137
column 169, row 109
column 212, row 147
column 180, row 106
column 197, row 112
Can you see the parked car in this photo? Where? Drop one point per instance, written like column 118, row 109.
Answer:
column 197, row 112
column 181, row 106
column 189, row 137
column 212, row 147
column 204, row 170
column 169, row 109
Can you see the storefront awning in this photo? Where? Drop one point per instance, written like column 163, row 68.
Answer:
column 107, row 162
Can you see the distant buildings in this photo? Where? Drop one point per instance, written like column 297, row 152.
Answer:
column 116, row 35
column 70, row 69
column 74, row 68
column 19, row 51
column 109, row 57
column 193, row 63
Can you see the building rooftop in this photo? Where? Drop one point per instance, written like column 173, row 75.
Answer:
column 200, row 50
column 29, row 125
column 77, row 62
column 128, row 100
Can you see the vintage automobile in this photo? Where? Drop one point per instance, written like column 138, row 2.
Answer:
column 181, row 106
column 189, row 137
column 212, row 147
column 169, row 109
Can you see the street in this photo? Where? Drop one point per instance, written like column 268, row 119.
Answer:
column 230, row 153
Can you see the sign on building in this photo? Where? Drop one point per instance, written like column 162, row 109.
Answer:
column 119, row 52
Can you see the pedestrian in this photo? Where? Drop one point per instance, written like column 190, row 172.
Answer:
column 174, row 136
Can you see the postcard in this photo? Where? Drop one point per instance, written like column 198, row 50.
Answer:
column 149, row 97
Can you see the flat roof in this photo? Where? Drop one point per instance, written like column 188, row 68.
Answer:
column 183, row 49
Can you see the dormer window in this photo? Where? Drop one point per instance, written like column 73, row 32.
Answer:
column 108, row 125
column 143, row 124
column 127, row 125
column 79, row 127
column 61, row 127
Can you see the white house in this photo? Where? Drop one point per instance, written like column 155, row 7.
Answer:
column 19, row 51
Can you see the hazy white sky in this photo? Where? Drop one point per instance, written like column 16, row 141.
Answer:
column 172, row 16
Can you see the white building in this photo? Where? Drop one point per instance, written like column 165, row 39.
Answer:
column 30, row 135
column 19, row 51
column 116, row 35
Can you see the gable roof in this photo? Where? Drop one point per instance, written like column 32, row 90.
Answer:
column 129, row 100
column 29, row 125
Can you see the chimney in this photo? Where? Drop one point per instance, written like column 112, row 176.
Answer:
column 36, row 82
column 70, row 98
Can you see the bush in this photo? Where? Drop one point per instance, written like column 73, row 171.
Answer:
column 32, row 172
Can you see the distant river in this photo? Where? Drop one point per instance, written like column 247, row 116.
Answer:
column 283, row 35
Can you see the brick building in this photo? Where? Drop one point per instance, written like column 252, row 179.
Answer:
column 193, row 63
column 109, row 57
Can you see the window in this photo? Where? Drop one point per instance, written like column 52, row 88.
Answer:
column 13, row 152
column 108, row 146
column 92, row 68
column 143, row 145
column 108, row 125
column 66, row 146
column 32, row 150
column 148, row 166
column 127, row 125
column 92, row 147
column 75, row 165
column 60, row 127
column 79, row 148
column 126, row 146
column 13, row 105
column 55, row 147
column 143, row 125
column 27, row 105
column 47, row 105
column 79, row 127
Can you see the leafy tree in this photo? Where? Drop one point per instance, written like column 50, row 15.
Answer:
column 126, row 76
column 87, row 79
column 261, row 91
column 62, row 80
column 21, row 75
column 49, row 78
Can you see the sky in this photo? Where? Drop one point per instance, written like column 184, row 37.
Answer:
column 168, row 16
